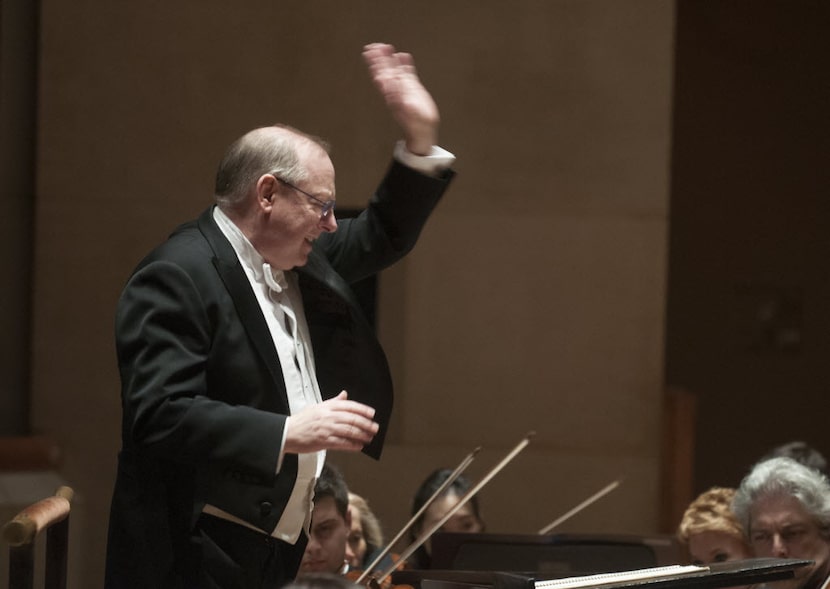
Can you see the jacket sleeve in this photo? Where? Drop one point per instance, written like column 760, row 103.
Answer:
column 163, row 338
column 389, row 227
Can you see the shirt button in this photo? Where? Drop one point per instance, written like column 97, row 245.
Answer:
column 265, row 509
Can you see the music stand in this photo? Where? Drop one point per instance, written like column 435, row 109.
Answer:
column 557, row 554
column 719, row 575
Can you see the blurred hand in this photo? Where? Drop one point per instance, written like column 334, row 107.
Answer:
column 334, row 424
column 406, row 97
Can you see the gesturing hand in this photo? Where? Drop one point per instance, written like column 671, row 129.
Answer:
column 334, row 424
column 406, row 97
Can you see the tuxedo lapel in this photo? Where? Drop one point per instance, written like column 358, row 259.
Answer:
column 236, row 282
column 336, row 293
column 348, row 354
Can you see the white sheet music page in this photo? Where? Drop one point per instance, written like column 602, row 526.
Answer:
column 620, row 577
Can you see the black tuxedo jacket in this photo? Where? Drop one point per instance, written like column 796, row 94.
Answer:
column 203, row 396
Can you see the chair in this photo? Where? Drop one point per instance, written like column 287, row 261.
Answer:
column 50, row 514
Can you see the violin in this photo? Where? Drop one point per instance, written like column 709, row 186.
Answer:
column 360, row 577
column 377, row 582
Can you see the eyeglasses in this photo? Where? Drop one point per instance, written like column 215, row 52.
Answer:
column 327, row 206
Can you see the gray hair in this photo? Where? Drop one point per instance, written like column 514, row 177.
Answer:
column 784, row 477
column 261, row 151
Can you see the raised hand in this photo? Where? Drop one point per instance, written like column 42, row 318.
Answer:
column 334, row 424
column 406, row 97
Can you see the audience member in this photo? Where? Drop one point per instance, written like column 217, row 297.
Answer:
column 330, row 525
column 467, row 519
column 784, row 507
column 710, row 531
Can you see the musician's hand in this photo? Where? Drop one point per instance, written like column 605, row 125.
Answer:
column 334, row 424
column 406, row 97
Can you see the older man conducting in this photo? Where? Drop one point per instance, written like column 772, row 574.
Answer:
column 244, row 353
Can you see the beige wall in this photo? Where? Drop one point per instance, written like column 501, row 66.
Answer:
column 535, row 298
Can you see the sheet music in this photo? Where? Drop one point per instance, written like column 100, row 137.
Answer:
column 619, row 577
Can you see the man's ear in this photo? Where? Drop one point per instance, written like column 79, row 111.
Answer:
column 348, row 517
column 265, row 187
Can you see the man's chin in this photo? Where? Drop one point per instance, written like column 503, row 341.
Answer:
column 301, row 261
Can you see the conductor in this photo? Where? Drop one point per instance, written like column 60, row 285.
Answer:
column 244, row 355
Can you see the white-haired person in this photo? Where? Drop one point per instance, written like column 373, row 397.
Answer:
column 784, row 507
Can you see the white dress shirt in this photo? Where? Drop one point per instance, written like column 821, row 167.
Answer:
column 279, row 298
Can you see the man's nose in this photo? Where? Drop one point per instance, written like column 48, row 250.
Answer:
column 312, row 544
column 779, row 547
column 328, row 223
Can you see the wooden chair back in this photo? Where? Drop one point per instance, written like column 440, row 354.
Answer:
column 52, row 515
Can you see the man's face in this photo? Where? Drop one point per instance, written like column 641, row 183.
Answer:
column 780, row 527
column 290, row 221
column 326, row 549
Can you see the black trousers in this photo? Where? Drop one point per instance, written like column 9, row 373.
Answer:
column 226, row 555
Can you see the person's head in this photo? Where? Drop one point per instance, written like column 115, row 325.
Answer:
column 784, row 507
column 710, row 531
column 330, row 524
column 275, row 183
column 800, row 452
column 466, row 520
column 365, row 535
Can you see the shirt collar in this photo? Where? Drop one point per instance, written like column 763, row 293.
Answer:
column 248, row 256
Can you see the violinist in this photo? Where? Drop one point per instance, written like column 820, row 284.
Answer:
column 366, row 537
column 710, row 531
column 784, row 507
column 330, row 526
column 441, row 499
column 466, row 520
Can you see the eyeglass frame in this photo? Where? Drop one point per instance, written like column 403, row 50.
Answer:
column 327, row 206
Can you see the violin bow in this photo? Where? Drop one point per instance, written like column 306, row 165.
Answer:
column 461, row 502
column 596, row 496
column 462, row 466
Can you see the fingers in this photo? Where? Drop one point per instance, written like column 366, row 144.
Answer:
column 334, row 424
column 351, row 425
column 373, row 51
column 385, row 64
column 358, row 431
column 350, row 432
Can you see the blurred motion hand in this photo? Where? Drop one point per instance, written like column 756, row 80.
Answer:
column 334, row 424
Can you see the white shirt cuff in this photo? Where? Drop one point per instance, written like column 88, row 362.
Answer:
column 432, row 164
column 282, row 444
